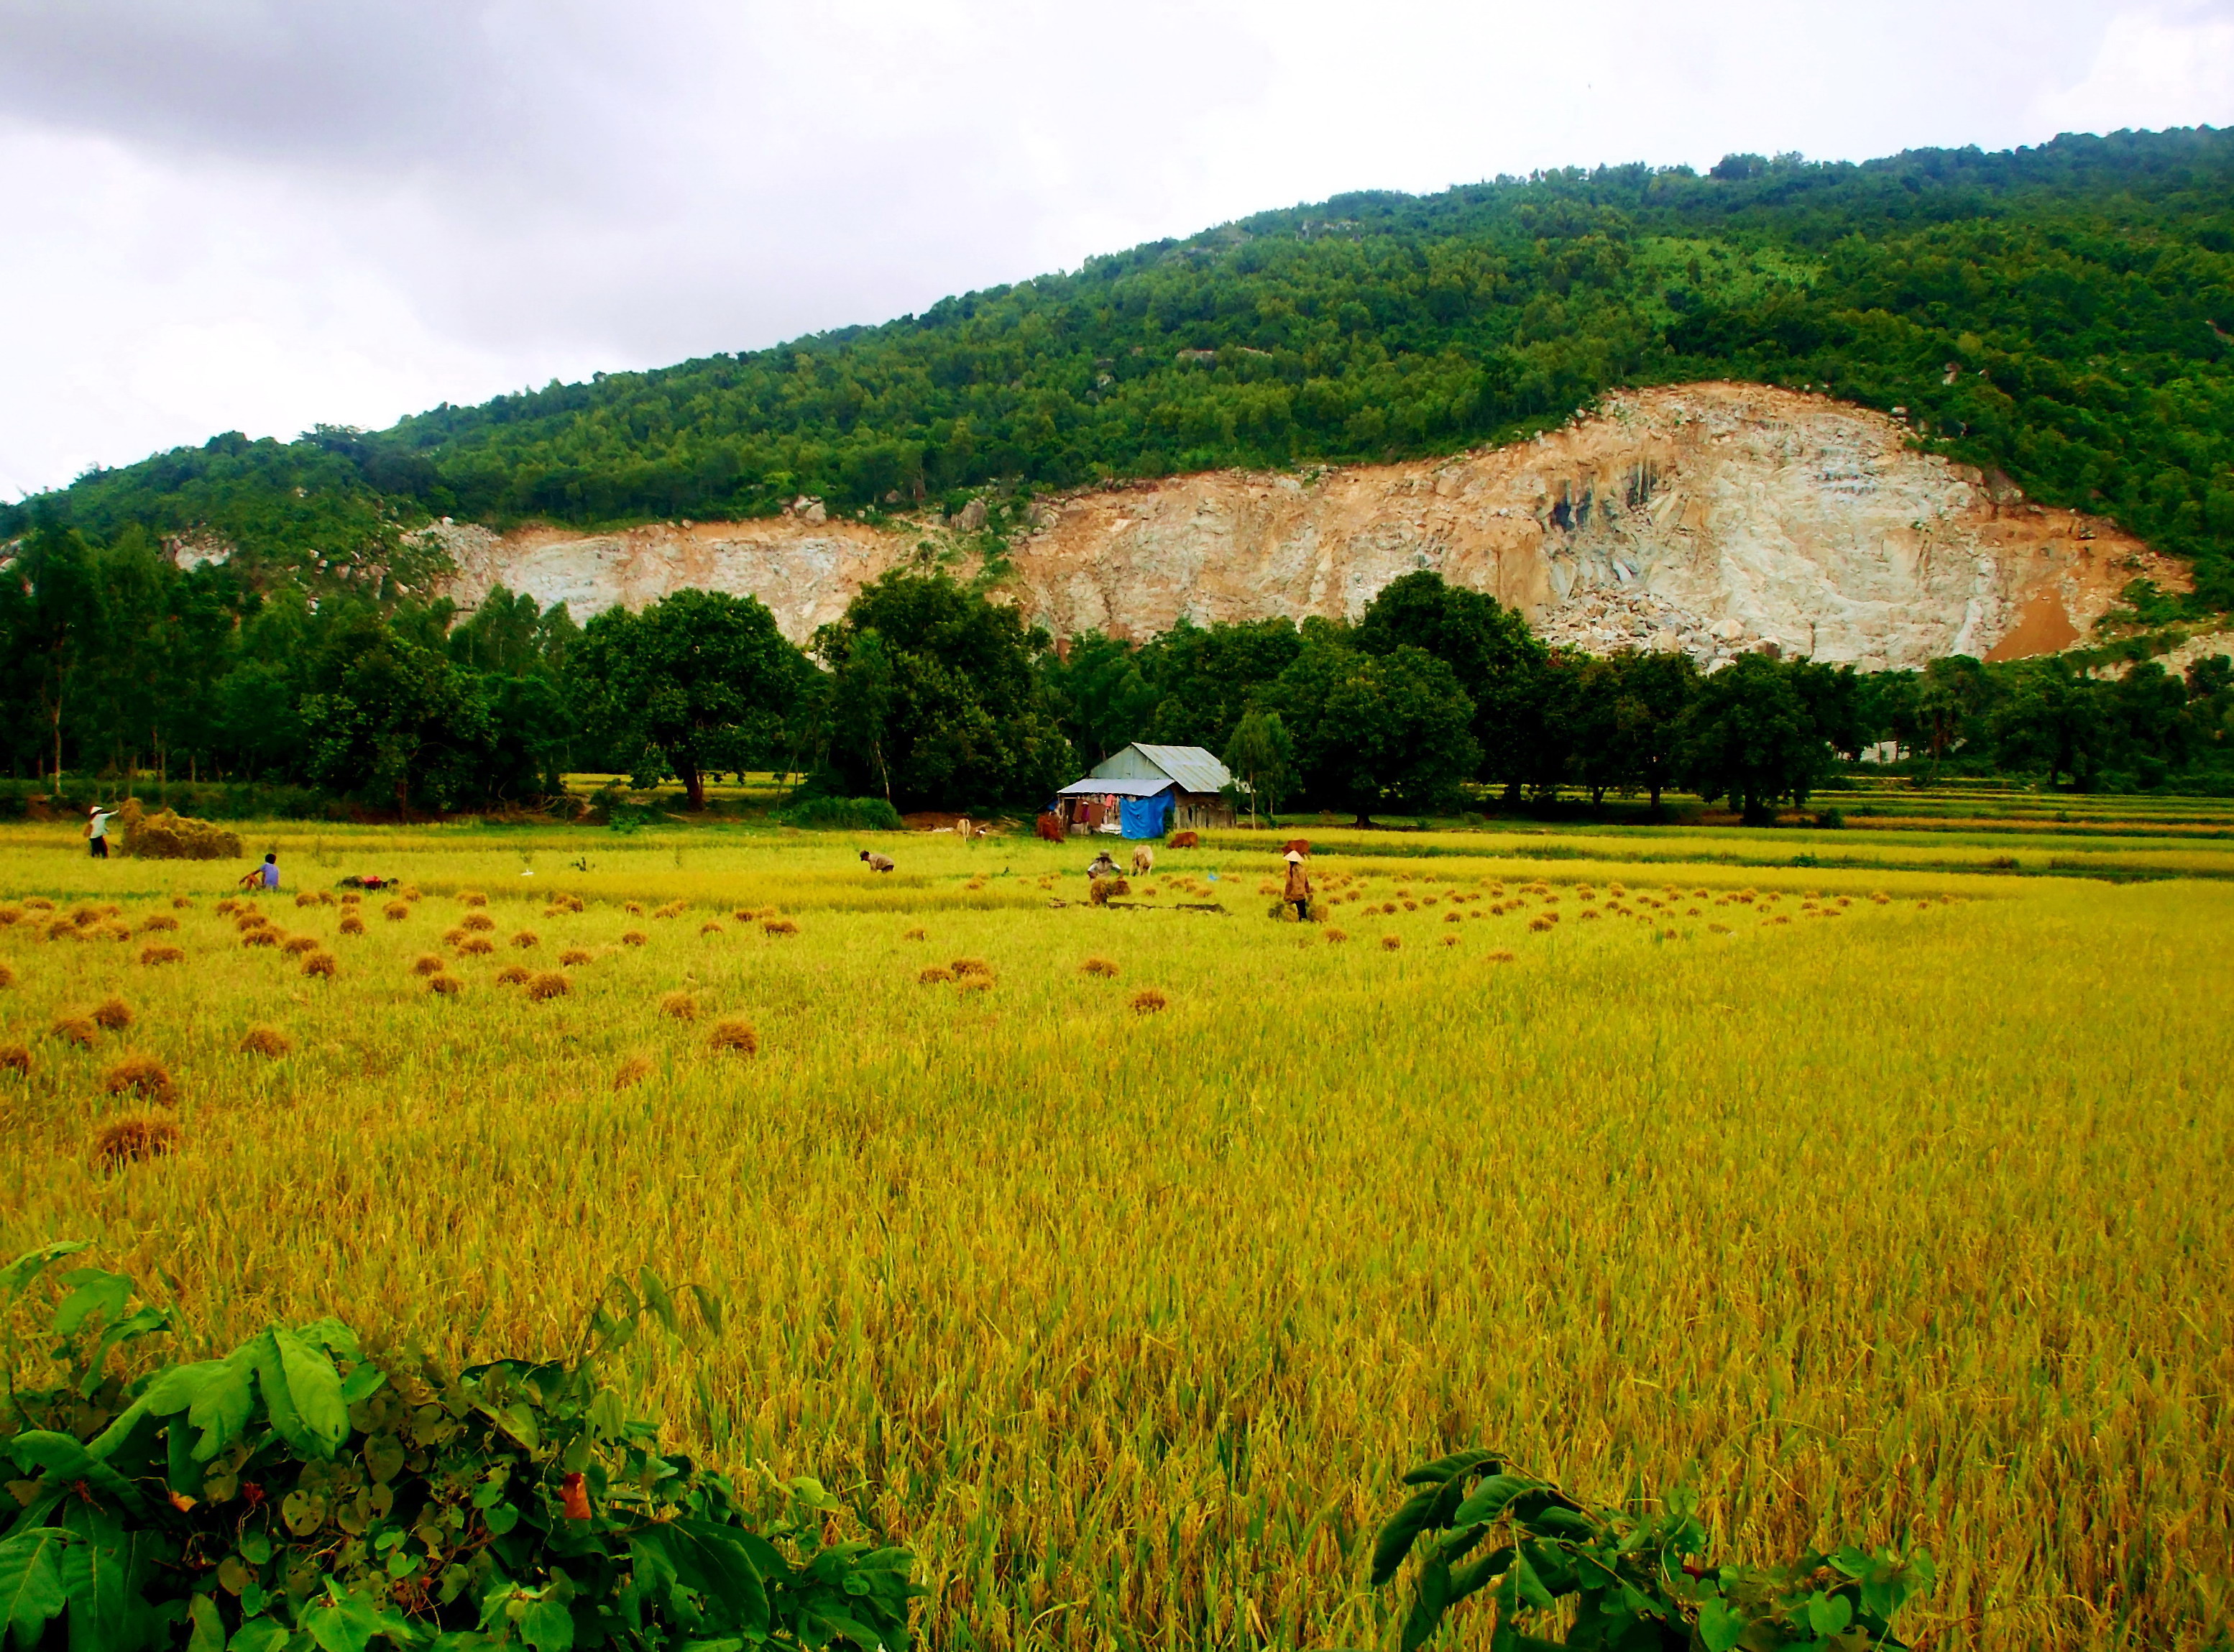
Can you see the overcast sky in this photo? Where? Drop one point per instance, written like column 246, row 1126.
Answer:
column 263, row 215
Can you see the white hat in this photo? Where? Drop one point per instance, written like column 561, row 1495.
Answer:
column 1292, row 855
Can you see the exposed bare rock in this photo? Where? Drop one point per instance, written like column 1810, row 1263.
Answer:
column 1713, row 518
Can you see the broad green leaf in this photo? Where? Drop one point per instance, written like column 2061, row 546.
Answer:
column 1444, row 1468
column 29, row 1266
column 103, row 1572
column 31, row 1583
column 1719, row 1627
column 93, row 1290
column 177, row 1387
column 221, row 1410
column 60, row 1456
column 548, row 1626
column 208, row 1631
column 709, row 1308
column 1530, row 1586
column 315, row 1388
column 1428, row 1602
column 362, row 1383
column 259, row 1635
column 1828, row 1614
column 1403, row 1529
column 1487, row 1500
column 657, row 1299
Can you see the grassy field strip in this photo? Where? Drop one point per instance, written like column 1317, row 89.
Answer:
column 1909, row 1224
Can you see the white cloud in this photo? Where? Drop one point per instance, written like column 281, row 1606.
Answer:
column 260, row 215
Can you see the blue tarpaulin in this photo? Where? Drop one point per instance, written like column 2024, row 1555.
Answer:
column 1145, row 817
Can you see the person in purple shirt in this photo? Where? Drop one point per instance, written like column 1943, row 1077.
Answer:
column 263, row 877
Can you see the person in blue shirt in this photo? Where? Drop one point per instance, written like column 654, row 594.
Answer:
column 263, row 877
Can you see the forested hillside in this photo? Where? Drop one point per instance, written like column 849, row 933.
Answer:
column 2061, row 314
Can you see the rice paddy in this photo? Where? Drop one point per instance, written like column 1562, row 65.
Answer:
column 1120, row 1258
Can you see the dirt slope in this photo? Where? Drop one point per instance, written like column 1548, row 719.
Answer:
column 1713, row 518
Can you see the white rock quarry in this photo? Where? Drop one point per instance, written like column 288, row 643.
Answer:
column 1713, row 518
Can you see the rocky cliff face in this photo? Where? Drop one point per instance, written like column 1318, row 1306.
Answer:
column 1712, row 518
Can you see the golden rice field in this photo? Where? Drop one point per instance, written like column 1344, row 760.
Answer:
column 1894, row 1207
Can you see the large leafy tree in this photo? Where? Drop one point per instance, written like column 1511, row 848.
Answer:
column 2056, row 718
column 394, row 718
column 1751, row 736
column 1376, row 729
column 697, row 682
column 937, row 698
column 1497, row 661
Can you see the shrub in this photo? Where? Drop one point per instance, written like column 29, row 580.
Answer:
column 265, row 1041
column 127, row 1140
column 681, row 1005
column 323, row 1499
column 168, row 835
column 1097, row 966
column 139, row 1075
column 448, row 986
column 1636, row 1574
column 842, row 814
column 157, row 954
column 734, row 1038
column 320, row 964
column 113, row 1014
column 1148, row 1002
column 16, row 1059
column 549, row 983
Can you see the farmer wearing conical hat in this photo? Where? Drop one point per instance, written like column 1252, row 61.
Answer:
column 1298, row 890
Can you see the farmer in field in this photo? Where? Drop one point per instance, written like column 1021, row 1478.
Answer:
column 263, row 877
column 877, row 862
column 1103, row 866
column 97, row 832
column 1299, row 889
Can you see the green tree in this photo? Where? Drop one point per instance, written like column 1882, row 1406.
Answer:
column 1263, row 757
column 938, row 698
column 1096, row 687
column 1371, row 729
column 1750, row 736
column 394, row 718
column 1653, row 693
column 1498, row 662
column 2054, row 718
column 698, row 682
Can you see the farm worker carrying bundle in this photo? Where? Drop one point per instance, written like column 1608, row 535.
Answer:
column 877, row 863
column 97, row 832
column 1298, row 890
column 1103, row 866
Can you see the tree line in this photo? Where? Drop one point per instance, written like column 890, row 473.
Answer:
column 928, row 693
column 2061, row 314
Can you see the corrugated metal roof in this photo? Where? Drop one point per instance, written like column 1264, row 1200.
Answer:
column 1194, row 768
column 1092, row 787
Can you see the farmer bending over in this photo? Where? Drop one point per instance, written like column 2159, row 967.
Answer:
column 1103, row 866
column 877, row 863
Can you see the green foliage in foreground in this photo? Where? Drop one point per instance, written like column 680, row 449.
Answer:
column 1638, row 1579
column 302, row 1496
column 2063, row 313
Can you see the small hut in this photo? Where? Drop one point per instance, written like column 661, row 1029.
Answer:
column 1146, row 791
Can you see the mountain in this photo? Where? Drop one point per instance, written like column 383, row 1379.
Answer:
column 2054, row 321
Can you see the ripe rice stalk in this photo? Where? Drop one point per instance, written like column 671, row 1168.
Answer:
column 427, row 964
column 74, row 1029
column 475, row 946
column 633, row 937
column 16, row 1059
column 478, row 922
column 352, row 926
column 525, row 939
column 513, row 974
column 153, row 955
column 155, row 922
column 395, row 911
column 1148, row 1002
column 1335, row 937
column 548, row 984
column 573, row 957
column 734, row 1037
column 931, row 975
column 141, row 1076
column 297, row 945
column 971, row 966
column 318, row 963
column 448, row 986
column 633, row 1070
column 111, row 1015
column 673, row 909
column 471, row 898
column 1503, row 956
column 916, row 934
column 779, row 926
column 681, row 1006
column 130, row 1141
column 267, row 1041
column 1097, row 966
column 8, row 975
column 710, row 927
column 1391, row 942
